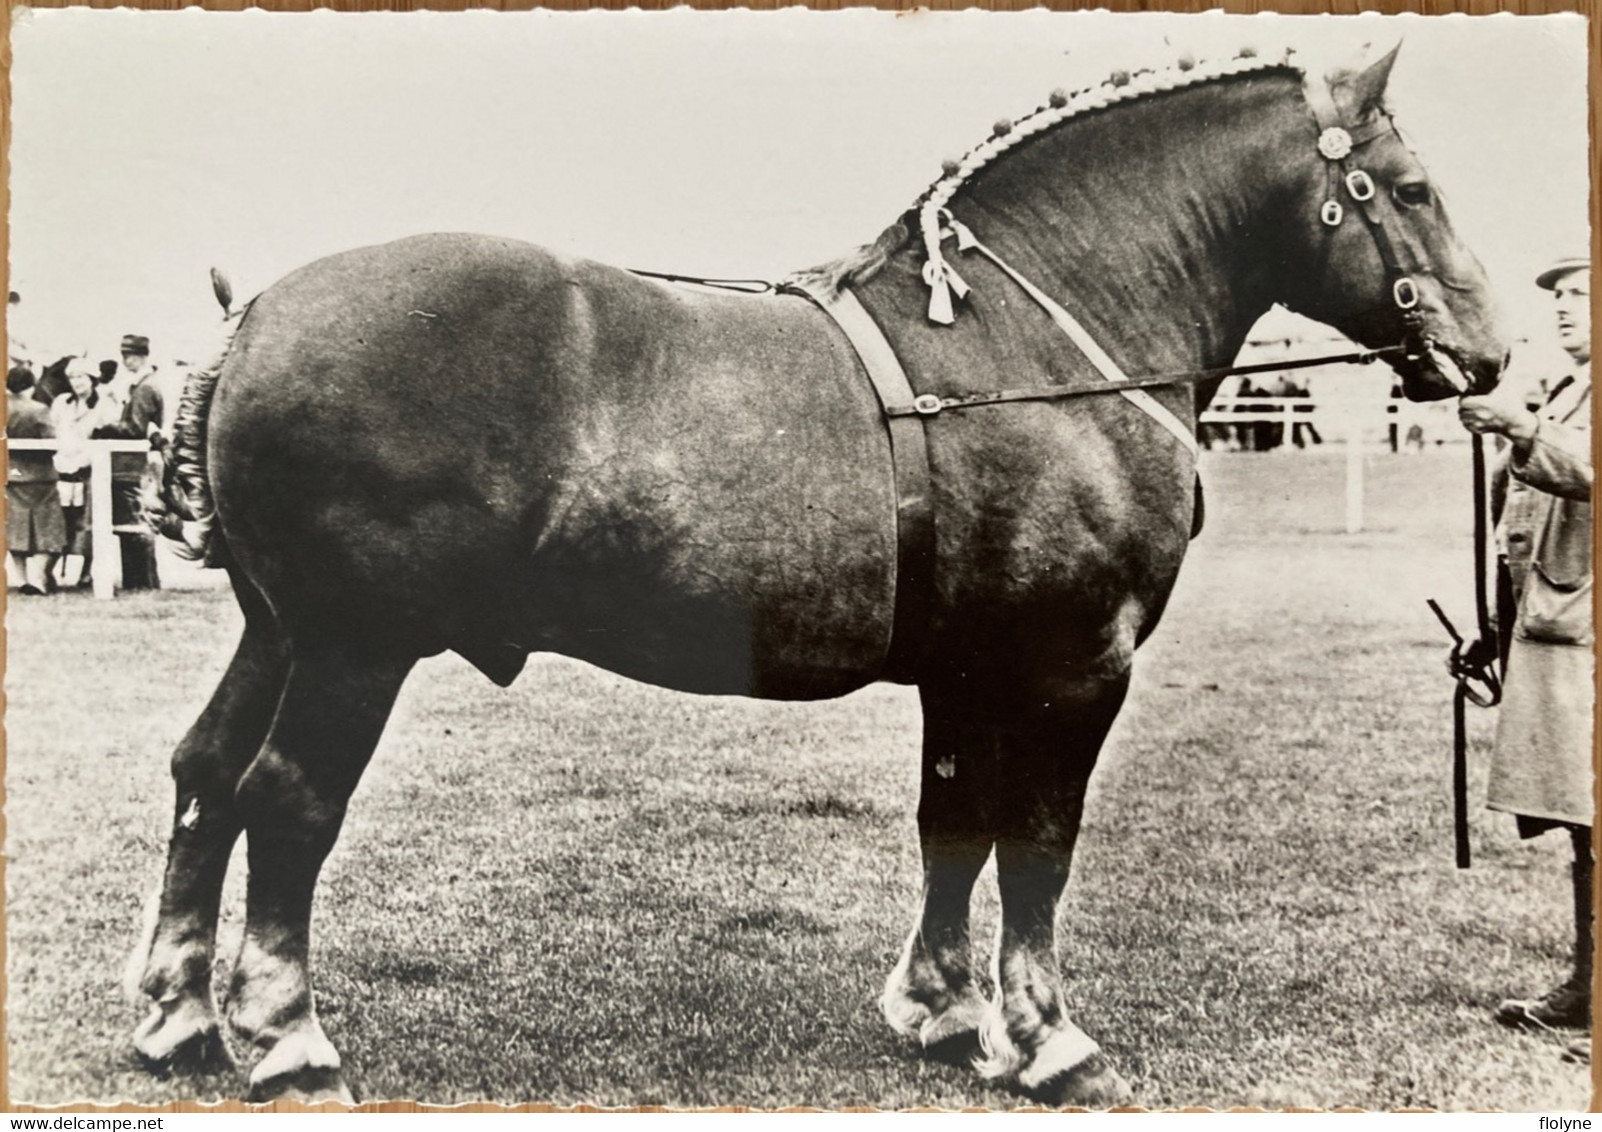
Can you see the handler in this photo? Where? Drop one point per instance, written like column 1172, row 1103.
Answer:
column 1541, row 772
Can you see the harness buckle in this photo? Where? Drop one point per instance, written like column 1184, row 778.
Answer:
column 1405, row 292
column 1360, row 185
column 1331, row 213
column 927, row 404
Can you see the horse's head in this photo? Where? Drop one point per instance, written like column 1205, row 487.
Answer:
column 1388, row 268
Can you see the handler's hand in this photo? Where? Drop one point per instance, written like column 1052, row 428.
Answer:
column 1498, row 415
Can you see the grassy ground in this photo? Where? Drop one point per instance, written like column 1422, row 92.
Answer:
column 581, row 889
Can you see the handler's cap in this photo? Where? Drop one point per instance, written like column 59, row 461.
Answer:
column 1548, row 279
column 135, row 344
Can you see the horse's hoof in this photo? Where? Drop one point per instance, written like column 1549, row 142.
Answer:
column 1093, row 1083
column 307, row 1085
column 301, row 1066
column 959, row 1047
column 953, row 1034
column 177, row 1043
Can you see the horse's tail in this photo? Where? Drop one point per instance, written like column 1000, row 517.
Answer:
column 182, row 509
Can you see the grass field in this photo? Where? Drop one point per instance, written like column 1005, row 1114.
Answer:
column 582, row 889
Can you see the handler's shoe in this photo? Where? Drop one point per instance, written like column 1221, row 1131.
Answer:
column 1566, row 1007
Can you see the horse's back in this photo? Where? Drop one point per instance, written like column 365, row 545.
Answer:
column 471, row 443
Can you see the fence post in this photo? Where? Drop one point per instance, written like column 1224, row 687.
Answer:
column 106, row 566
column 1354, row 469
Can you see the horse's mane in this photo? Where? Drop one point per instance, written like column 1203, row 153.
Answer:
column 1120, row 87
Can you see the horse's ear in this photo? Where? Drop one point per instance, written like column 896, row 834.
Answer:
column 1365, row 91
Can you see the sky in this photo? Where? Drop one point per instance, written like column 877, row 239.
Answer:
column 149, row 147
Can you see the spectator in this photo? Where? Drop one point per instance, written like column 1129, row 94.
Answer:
column 1392, row 412
column 75, row 415
column 35, row 530
column 1221, row 436
column 1265, row 434
column 106, row 384
column 142, row 417
column 1290, row 387
column 1541, row 772
column 20, row 354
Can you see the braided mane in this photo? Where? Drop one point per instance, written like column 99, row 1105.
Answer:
column 1120, row 87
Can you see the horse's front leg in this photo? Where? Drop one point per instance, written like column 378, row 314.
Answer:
column 932, row 995
column 293, row 798
column 173, row 962
column 1050, row 750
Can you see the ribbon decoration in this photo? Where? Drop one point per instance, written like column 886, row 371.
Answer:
column 940, row 277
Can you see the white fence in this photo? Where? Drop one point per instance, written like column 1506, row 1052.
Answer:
column 105, row 563
column 1347, row 418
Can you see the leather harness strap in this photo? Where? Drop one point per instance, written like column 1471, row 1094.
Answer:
column 913, row 584
column 1088, row 346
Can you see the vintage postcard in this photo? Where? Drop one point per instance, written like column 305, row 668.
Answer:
column 798, row 558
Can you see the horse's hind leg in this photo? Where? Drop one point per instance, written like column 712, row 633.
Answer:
column 1050, row 750
column 292, row 798
column 932, row 994
column 174, row 961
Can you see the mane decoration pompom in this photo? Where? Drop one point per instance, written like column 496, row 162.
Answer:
column 1121, row 86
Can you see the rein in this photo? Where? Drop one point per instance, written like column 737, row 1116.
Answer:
column 745, row 286
column 1473, row 665
column 929, row 405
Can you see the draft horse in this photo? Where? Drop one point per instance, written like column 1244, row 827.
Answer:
column 467, row 443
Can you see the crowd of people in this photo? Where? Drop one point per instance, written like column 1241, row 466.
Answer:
column 72, row 401
column 1261, row 435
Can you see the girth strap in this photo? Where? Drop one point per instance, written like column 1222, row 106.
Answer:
column 909, row 457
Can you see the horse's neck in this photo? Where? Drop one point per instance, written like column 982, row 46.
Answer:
column 1142, row 220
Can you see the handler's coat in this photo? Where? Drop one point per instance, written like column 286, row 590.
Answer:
column 1542, row 766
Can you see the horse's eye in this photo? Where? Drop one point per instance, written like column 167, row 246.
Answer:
column 1414, row 194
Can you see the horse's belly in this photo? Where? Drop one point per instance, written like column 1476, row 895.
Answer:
column 759, row 560
column 725, row 519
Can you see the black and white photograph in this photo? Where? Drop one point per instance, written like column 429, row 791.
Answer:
column 794, row 558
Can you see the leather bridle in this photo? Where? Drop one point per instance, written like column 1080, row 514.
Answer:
column 1338, row 145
